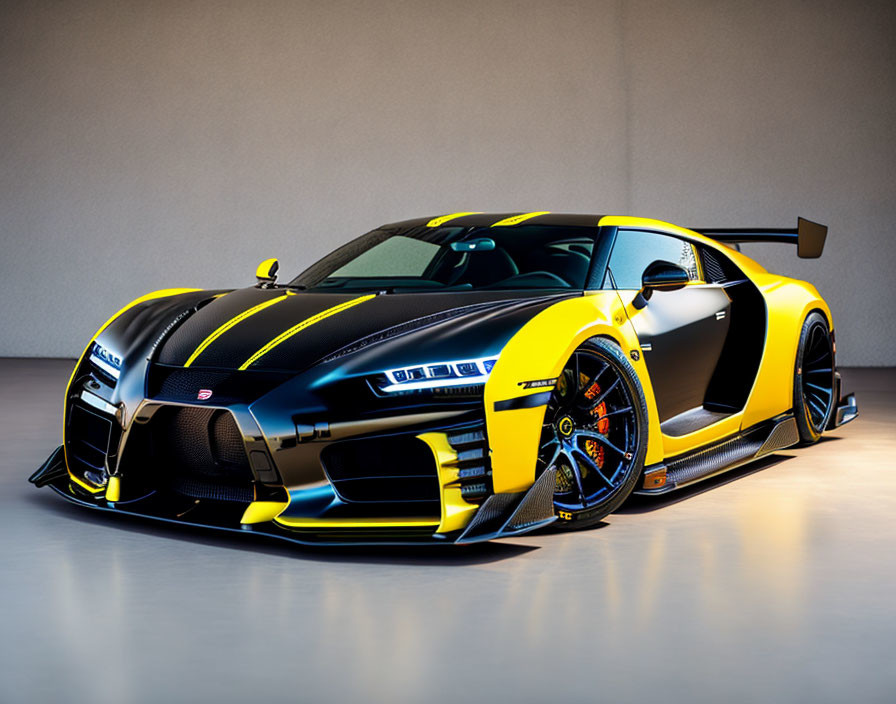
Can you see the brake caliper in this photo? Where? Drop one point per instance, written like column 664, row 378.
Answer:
column 594, row 449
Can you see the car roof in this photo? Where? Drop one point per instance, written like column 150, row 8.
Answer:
column 490, row 219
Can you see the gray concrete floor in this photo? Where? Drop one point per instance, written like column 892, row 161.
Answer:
column 774, row 583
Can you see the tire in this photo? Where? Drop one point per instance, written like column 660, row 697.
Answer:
column 594, row 434
column 813, row 379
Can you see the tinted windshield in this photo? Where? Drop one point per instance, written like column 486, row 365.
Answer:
column 472, row 258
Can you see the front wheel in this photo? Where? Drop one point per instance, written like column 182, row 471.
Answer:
column 814, row 380
column 594, row 434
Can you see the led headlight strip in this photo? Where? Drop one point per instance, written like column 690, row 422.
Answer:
column 464, row 372
column 105, row 360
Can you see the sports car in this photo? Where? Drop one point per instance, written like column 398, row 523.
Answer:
column 452, row 380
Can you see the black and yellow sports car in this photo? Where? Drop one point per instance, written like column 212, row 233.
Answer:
column 453, row 379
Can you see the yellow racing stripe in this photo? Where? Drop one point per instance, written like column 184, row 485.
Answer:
column 307, row 323
column 517, row 219
column 236, row 320
column 436, row 222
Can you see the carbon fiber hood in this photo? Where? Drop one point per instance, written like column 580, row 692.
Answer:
column 276, row 330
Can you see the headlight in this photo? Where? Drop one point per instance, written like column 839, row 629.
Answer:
column 464, row 372
column 105, row 360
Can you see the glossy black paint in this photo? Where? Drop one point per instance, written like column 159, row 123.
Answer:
column 332, row 334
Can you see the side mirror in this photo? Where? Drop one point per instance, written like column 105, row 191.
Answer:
column 266, row 273
column 660, row 276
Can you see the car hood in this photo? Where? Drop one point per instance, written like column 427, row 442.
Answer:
column 279, row 330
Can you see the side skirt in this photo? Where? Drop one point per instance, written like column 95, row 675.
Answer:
column 719, row 457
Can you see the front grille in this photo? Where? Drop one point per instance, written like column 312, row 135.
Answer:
column 395, row 468
column 195, row 452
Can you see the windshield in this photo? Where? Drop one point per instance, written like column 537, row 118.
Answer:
column 455, row 258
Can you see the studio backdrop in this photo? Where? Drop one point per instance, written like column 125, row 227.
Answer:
column 147, row 145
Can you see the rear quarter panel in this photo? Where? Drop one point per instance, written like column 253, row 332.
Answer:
column 788, row 302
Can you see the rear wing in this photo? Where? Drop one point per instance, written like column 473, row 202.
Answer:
column 808, row 236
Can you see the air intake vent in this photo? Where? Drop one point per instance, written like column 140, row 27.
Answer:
column 383, row 469
column 196, row 452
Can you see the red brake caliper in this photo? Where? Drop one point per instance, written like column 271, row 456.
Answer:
column 592, row 447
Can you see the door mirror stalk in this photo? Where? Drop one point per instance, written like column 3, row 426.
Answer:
column 660, row 276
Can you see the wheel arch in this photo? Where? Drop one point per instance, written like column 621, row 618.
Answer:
column 537, row 353
column 788, row 302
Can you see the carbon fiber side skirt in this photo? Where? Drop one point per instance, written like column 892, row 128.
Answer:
column 720, row 457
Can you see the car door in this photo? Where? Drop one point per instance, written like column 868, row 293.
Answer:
column 681, row 331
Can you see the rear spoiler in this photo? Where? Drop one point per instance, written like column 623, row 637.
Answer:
column 808, row 237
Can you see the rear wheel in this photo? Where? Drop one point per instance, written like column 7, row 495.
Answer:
column 814, row 382
column 594, row 434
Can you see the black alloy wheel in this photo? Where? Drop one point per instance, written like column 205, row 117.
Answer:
column 594, row 433
column 814, row 382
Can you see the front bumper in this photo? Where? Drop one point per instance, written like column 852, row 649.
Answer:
column 499, row 516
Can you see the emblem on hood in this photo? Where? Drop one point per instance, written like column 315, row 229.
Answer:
column 204, row 394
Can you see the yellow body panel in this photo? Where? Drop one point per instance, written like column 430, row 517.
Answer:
column 788, row 302
column 113, row 489
column 263, row 511
column 456, row 511
column 164, row 293
column 267, row 269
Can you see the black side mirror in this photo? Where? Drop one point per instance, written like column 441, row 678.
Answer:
column 660, row 276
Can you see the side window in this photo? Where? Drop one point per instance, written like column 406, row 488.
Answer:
column 634, row 250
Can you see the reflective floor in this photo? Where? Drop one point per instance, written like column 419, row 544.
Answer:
column 776, row 583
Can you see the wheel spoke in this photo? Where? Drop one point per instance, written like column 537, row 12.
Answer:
column 596, row 402
column 627, row 409
column 818, row 408
column 593, row 465
column 552, row 441
column 556, row 455
column 824, row 355
column 819, row 371
column 822, row 389
column 574, row 466
column 592, row 380
column 602, row 439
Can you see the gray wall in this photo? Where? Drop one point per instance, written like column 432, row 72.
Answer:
column 146, row 145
